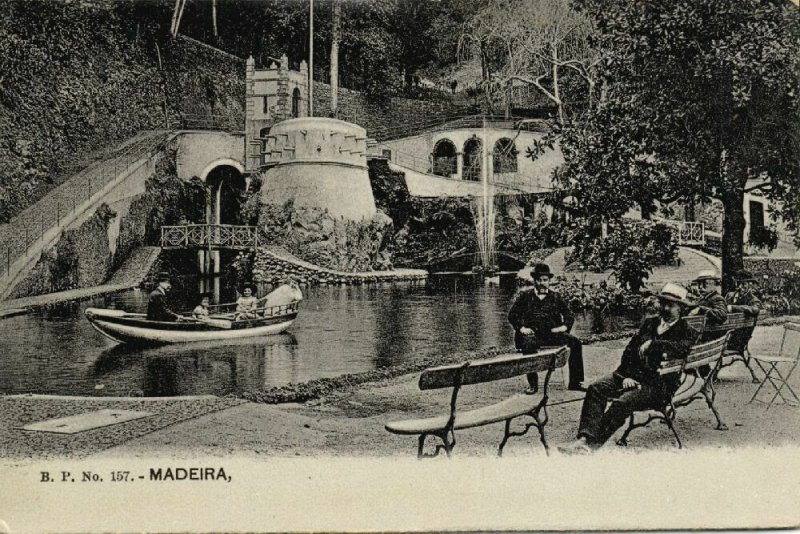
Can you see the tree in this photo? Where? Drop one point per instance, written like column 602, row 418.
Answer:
column 533, row 42
column 701, row 102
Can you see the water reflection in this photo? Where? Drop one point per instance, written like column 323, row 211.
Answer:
column 339, row 330
column 197, row 368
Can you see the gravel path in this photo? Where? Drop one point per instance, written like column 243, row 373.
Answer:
column 17, row 411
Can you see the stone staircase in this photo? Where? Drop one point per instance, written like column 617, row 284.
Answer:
column 24, row 238
column 130, row 274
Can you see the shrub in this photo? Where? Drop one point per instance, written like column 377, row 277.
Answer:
column 631, row 249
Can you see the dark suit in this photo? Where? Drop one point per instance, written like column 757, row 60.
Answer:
column 743, row 302
column 157, row 309
column 598, row 423
column 541, row 316
column 714, row 307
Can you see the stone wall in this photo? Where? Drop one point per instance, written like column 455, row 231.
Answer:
column 81, row 258
column 381, row 117
column 273, row 266
column 314, row 235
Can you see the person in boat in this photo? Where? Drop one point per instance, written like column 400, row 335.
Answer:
column 201, row 310
column 636, row 384
column 540, row 317
column 287, row 293
column 247, row 304
column 157, row 309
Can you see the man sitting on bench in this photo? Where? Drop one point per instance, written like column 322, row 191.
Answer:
column 541, row 317
column 743, row 299
column 636, row 384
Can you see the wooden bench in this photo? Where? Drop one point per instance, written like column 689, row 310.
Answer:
column 533, row 405
column 741, row 328
column 692, row 387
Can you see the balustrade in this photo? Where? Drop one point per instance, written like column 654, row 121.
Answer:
column 216, row 236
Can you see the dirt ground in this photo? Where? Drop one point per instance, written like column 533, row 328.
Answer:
column 351, row 423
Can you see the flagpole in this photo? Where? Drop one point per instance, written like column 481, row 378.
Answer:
column 311, row 58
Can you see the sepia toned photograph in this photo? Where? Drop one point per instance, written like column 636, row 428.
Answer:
column 399, row 265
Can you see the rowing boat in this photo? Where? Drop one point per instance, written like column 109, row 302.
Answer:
column 124, row 327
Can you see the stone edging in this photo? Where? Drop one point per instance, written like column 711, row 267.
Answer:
column 314, row 389
column 275, row 264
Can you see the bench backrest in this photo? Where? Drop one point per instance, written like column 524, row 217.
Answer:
column 697, row 322
column 734, row 321
column 701, row 354
column 490, row 369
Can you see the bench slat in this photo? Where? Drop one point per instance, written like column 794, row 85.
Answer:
column 734, row 321
column 700, row 355
column 490, row 369
column 494, row 413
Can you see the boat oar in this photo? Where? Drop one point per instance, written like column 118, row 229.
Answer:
column 218, row 323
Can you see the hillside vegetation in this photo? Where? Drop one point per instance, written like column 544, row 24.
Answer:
column 78, row 77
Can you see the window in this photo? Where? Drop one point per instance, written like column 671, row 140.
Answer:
column 296, row 98
column 444, row 158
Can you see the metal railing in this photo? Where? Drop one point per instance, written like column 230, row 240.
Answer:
column 691, row 233
column 228, row 310
column 32, row 224
column 189, row 121
column 457, row 122
column 229, row 236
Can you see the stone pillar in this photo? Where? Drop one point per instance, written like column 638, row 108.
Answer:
column 252, row 150
column 304, row 102
column 459, row 165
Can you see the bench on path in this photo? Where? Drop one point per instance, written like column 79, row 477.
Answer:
column 693, row 387
column 533, row 405
column 741, row 328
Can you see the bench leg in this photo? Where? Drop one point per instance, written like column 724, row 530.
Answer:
column 539, row 423
column 632, row 424
column 671, row 426
column 746, row 360
column 448, row 442
column 710, row 394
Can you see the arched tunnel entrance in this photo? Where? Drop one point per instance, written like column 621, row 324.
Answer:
column 226, row 188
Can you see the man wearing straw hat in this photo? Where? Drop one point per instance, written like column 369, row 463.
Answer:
column 541, row 317
column 636, row 384
column 710, row 303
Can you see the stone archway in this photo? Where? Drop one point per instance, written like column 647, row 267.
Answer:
column 444, row 158
column 226, row 185
column 473, row 159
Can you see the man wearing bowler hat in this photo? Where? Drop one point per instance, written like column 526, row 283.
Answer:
column 743, row 300
column 636, row 384
column 157, row 309
column 542, row 317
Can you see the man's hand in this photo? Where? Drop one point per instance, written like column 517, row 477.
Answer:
column 630, row 383
column 559, row 329
column 525, row 330
column 696, row 311
column 645, row 346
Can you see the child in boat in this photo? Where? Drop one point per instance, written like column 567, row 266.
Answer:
column 247, row 304
column 201, row 310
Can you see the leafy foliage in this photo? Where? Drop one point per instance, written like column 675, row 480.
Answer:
column 700, row 97
column 631, row 250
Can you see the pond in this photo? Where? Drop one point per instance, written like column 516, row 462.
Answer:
column 339, row 330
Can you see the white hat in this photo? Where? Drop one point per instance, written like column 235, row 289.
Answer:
column 674, row 293
column 707, row 274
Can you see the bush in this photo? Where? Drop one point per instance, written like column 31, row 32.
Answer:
column 631, row 249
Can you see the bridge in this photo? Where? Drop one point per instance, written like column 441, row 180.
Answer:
column 209, row 236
